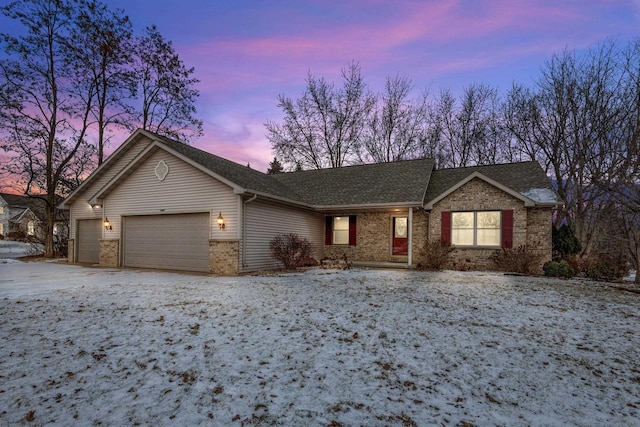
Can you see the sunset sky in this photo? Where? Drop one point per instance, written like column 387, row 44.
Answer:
column 247, row 52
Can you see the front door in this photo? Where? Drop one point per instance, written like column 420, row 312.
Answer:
column 400, row 236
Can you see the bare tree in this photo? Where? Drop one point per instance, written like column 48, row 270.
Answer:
column 45, row 101
column 469, row 131
column 324, row 127
column 166, row 89
column 397, row 127
column 103, row 45
column 575, row 121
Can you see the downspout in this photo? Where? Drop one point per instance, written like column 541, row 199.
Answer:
column 244, row 229
column 410, row 231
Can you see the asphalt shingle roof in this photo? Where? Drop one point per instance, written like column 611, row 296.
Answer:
column 403, row 182
column 382, row 183
column 526, row 178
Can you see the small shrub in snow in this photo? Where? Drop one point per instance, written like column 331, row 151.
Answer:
column 607, row 268
column 434, row 255
column 517, row 260
column 558, row 269
column 291, row 250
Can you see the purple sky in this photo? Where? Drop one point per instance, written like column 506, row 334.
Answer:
column 247, row 52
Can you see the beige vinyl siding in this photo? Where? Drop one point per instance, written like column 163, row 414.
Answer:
column 184, row 190
column 264, row 220
column 81, row 209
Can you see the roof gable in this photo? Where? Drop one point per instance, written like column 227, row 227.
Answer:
column 525, row 181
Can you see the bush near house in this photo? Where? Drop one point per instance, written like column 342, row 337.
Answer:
column 291, row 250
column 434, row 255
column 608, row 268
column 558, row 269
column 517, row 260
column 599, row 266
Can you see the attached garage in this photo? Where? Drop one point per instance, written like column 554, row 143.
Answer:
column 89, row 234
column 172, row 242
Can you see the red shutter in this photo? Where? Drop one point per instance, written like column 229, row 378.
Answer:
column 445, row 227
column 352, row 230
column 507, row 229
column 328, row 229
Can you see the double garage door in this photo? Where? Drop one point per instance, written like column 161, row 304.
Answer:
column 172, row 242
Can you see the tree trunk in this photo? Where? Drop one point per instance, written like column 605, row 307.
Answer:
column 50, row 221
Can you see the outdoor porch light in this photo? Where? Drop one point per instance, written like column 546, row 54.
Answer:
column 107, row 224
column 220, row 222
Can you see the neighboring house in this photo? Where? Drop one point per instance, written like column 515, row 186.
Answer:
column 158, row 203
column 26, row 217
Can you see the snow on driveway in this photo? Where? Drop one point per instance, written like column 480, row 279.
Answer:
column 83, row 346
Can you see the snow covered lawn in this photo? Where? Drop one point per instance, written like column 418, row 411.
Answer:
column 83, row 346
column 10, row 249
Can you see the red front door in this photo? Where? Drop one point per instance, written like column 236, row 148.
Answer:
column 400, row 235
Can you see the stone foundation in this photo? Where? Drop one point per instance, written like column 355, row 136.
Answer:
column 224, row 257
column 109, row 253
column 71, row 251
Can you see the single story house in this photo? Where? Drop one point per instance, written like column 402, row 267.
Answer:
column 159, row 203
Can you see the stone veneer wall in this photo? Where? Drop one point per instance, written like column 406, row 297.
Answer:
column 373, row 237
column 71, row 251
column 224, row 257
column 478, row 195
column 109, row 253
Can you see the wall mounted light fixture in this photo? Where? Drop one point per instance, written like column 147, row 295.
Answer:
column 107, row 224
column 220, row 222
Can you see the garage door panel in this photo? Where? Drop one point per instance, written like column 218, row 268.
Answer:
column 174, row 242
column 89, row 234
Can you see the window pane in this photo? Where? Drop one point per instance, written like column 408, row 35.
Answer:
column 489, row 219
column 341, row 223
column 489, row 237
column 401, row 228
column 341, row 237
column 462, row 220
column 462, row 237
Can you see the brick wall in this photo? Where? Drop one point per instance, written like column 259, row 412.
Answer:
column 531, row 226
column 224, row 257
column 374, row 237
column 539, row 223
column 109, row 253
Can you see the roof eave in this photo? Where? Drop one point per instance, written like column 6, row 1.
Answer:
column 66, row 204
column 356, row 206
column 526, row 200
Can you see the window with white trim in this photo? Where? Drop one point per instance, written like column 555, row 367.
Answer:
column 479, row 228
column 31, row 228
column 1, row 210
column 340, row 230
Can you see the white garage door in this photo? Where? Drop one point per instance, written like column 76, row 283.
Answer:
column 88, row 240
column 172, row 242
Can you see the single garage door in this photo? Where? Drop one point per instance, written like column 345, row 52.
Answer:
column 88, row 240
column 172, row 242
